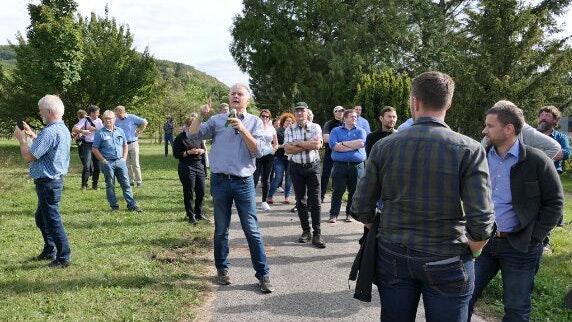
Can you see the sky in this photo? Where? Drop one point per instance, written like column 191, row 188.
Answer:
column 194, row 32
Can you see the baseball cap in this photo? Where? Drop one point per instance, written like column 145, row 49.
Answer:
column 300, row 105
column 338, row 108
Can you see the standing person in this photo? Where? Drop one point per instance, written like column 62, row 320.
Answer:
column 387, row 118
column 348, row 153
column 362, row 122
column 437, row 209
column 548, row 118
column 236, row 144
column 49, row 157
column 110, row 148
column 528, row 201
column 168, row 134
column 78, row 137
column 302, row 141
column 133, row 126
column 192, row 171
column 281, row 172
column 86, row 128
column 264, row 163
column 327, row 162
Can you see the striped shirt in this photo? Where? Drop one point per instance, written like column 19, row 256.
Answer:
column 309, row 132
column 51, row 148
column 435, row 188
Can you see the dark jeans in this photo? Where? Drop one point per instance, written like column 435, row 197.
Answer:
column 327, row 165
column 192, row 176
column 280, row 172
column 345, row 175
column 90, row 166
column 404, row 274
column 264, row 167
column 49, row 220
column 117, row 169
column 224, row 190
column 518, row 271
column 307, row 178
column 168, row 140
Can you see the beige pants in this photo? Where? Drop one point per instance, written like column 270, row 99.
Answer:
column 133, row 163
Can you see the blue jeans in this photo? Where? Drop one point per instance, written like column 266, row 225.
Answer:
column 280, row 170
column 224, row 190
column 49, row 220
column 344, row 175
column 404, row 274
column 117, row 169
column 518, row 271
column 327, row 165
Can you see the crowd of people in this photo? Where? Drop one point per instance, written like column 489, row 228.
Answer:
column 447, row 211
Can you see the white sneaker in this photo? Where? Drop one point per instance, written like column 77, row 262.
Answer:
column 264, row 206
column 280, row 189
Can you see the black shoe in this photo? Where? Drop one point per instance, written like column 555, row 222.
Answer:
column 192, row 220
column 136, row 209
column 222, row 277
column 322, row 200
column 294, row 209
column 83, row 188
column 202, row 218
column 318, row 241
column 113, row 209
column 58, row 264
column 306, row 237
column 265, row 286
column 94, row 187
column 43, row 257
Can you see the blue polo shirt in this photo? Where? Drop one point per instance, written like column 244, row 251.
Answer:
column 129, row 125
column 51, row 148
column 342, row 134
column 110, row 143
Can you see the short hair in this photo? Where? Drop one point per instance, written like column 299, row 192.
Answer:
column 434, row 89
column 552, row 110
column 108, row 113
column 223, row 105
column 92, row 109
column 349, row 111
column 386, row 109
column 81, row 114
column 240, row 85
column 284, row 116
column 52, row 103
column 508, row 113
column 120, row 108
column 264, row 110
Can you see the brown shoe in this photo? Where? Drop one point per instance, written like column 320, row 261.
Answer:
column 318, row 241
column 269, row 201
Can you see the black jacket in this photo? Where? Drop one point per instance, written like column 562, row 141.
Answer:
column 537, row 197
column 182, row 144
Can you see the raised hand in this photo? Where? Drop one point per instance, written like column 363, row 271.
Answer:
column 205, row 109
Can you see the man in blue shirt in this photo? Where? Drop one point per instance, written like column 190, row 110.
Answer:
column 548, row 118
column 133, row 126
column 236, row 145
column 528, row 199
column 362, row 122
column 110, row 148
column 348, row 153
column 49, row 157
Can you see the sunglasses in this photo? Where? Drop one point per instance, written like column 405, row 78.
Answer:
column 265, row 116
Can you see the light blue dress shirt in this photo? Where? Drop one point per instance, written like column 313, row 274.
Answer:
column 129, row 125
column 229, row 153
column 364, row 124
column 110, row 143
column 499, row 169
column 51, row 148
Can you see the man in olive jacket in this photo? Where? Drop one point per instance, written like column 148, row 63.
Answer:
column 528, row 200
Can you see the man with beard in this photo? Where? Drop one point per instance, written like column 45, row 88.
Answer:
column 548, row 118
column 387, row 119
column 528, row 200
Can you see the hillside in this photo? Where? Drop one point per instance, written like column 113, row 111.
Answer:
column 7, row 56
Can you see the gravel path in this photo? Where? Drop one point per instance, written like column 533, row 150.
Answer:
column 311, row 284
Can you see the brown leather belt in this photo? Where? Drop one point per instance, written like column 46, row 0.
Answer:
column 501, row 234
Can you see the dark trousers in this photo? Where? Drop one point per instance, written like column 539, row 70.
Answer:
column 518, row 271
column 168, row 140
column 264, row 167
column 327, row 165
column 345, row 175
column 192, row 176
column 49, row 220
column 306, row 181
column 90, row 166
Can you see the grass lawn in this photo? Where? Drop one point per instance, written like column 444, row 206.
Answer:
column 554, row 278
column 125, row 266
